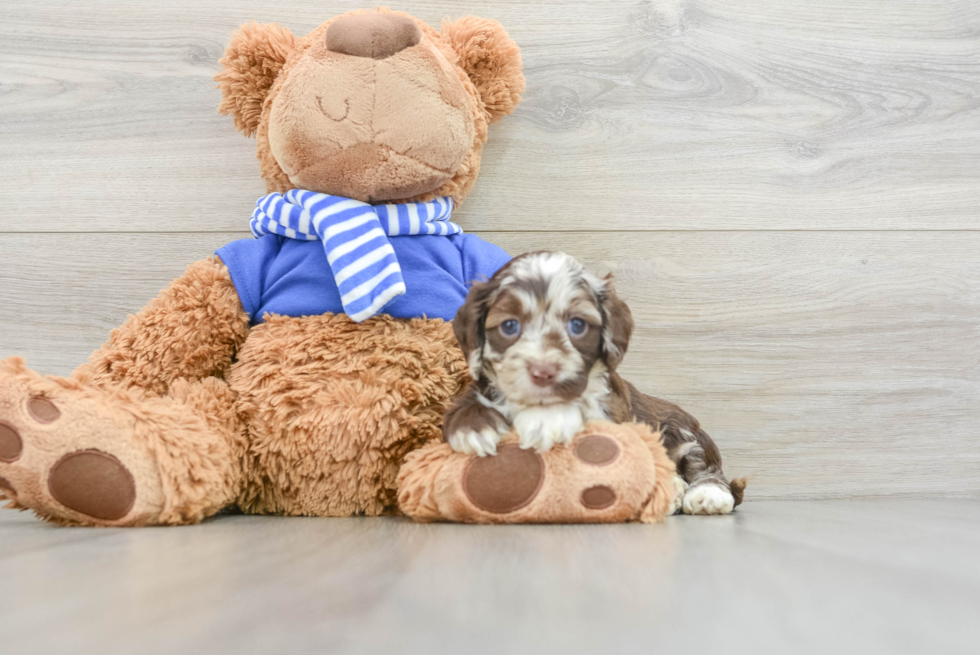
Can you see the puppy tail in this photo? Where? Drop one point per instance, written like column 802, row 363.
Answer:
column 737, row 487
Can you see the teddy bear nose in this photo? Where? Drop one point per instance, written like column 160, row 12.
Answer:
column 372, row 35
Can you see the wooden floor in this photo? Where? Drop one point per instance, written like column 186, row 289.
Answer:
column 861, row 576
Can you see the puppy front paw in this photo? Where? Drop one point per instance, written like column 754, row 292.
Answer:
column 680, row 489
column 541, row 428
column 473, row 428
column 708, row 498
column 472, row 442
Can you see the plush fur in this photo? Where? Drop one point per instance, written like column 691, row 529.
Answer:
column 250, row 66
column 186, row 410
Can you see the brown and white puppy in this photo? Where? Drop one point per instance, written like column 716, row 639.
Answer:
column 543, row 338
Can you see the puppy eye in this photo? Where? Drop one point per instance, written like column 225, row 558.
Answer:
column 511, row 327
column 577, row 327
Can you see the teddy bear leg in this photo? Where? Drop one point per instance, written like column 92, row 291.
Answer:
column 78, row 454
column 609, row 473
column 142, row 434
column 334, row 406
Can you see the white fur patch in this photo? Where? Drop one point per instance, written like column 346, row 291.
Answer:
column 594, row 401
column 680, row 488
column 708, row 498
column 475, row 363
column 542, row 427
column 471, row 442
column 546, row 265
column 682, row 450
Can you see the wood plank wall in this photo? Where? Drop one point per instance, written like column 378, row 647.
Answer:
column 788, row 192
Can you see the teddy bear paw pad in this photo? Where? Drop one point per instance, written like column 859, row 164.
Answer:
column 43, row 410
column 11, row 445
column 598, row 497
column 93, row 483
column 597, row 449
column 505, row 482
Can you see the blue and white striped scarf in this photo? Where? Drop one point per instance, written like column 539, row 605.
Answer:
column 355, row 238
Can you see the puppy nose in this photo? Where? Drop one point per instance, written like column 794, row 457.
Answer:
column 542, row 374
column 372, row 35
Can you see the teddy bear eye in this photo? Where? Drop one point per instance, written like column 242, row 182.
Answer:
column 510, row 328
column 577, row 327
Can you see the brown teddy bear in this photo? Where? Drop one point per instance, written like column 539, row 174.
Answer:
column 291, row 373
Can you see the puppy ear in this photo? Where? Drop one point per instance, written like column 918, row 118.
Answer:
column 469, row 326
column 491, row 59
column 617, row 324
column 251, row 63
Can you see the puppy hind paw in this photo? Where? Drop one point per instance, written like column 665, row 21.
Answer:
column 708, row 498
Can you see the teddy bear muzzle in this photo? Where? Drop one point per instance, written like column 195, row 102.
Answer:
column 372, row 111
column 376, row 36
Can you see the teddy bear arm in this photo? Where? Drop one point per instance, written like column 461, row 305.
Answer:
column 191, row 330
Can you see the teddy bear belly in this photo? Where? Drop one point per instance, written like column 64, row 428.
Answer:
column 332, row 407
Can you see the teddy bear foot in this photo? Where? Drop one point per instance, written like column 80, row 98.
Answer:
column 609, row 473
column 68, row 452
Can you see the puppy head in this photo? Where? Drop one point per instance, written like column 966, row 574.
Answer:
column 542, row 327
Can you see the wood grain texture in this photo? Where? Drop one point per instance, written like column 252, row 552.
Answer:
column 824, row 364
column 670, row 114
column 863, row 576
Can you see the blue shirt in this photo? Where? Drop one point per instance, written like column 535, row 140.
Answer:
column 291, row 277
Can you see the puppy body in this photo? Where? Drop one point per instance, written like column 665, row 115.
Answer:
column 543, row 338
column 477, row 421
column 530, row 370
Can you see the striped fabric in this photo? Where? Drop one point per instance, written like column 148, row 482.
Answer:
column 355, row 239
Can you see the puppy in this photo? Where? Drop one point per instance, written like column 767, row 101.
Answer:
column 543, row 338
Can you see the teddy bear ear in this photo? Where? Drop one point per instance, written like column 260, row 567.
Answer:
column 251, row 63
column 491, row 59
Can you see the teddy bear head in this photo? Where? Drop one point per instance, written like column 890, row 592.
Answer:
column 371, row 105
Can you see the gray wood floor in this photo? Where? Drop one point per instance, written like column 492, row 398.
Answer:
column 851, row 576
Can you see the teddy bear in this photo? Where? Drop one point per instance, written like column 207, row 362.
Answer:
column 293, row 372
